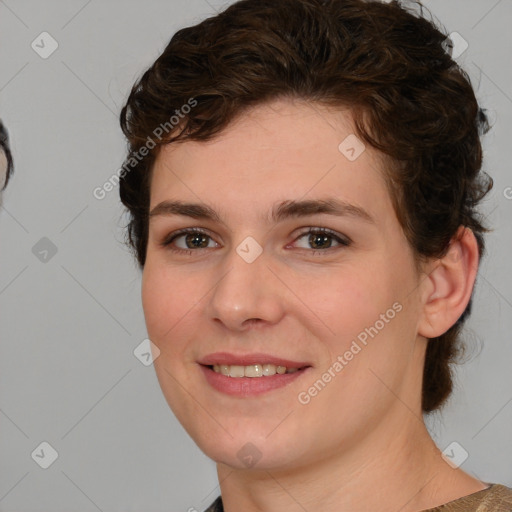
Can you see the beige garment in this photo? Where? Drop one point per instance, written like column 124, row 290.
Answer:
column 496, row 498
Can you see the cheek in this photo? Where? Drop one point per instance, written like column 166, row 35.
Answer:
column 166, row 301
column 362, row 317
column 346, row 301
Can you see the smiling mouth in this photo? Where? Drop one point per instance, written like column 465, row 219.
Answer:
column 253, row 370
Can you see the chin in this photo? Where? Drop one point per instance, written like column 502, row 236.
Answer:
column 245, row 451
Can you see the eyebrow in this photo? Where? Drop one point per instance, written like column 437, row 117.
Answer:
column 281, row 211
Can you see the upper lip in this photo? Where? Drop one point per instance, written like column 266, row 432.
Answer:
column 225, row 358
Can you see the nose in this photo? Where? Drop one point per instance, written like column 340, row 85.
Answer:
column 247, row 294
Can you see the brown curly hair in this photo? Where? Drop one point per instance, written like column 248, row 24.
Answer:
column 392, row 67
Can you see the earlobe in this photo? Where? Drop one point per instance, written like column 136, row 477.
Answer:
column 449, row 285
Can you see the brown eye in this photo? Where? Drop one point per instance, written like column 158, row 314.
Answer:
column 320, row 239
column 193, row 239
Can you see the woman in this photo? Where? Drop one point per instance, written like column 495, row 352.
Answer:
column 303, row 183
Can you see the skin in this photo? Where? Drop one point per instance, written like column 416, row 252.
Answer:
column 360, row 444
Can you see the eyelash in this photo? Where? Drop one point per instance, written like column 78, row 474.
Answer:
column 344, row 242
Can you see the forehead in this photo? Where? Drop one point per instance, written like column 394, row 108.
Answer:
column 285, row 150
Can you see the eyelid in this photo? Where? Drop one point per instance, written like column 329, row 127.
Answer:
column 340, row 238
column 343, row 240
column 185, row 231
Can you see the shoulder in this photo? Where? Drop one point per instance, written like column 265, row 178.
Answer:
column 498, row 499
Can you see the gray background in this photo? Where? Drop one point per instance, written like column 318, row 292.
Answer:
column 69, row 325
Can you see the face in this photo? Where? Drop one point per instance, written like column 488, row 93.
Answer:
column 257, row 275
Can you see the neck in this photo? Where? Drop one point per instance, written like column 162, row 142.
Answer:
column 395, row 468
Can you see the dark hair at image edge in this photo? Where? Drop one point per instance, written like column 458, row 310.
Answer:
column 6, row 150
column 388, row 63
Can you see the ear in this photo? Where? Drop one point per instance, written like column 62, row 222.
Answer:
column 448, row 285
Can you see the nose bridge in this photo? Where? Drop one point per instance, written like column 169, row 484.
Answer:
column 247, row 288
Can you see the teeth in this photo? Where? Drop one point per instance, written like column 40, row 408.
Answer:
column 253, row 370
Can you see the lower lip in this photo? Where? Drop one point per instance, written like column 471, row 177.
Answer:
column 249, row 386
